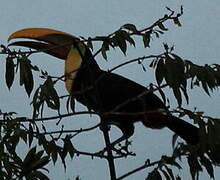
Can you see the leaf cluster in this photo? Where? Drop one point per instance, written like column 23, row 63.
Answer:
column 205, row 155
column 45, row 94
column 12, row 166
column 177, row 73
column 23, row 64
column 164, row 169
column 126, row 34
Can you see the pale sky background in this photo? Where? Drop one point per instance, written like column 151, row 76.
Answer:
column 198, row 40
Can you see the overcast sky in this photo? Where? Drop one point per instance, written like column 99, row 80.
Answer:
column 198, row 40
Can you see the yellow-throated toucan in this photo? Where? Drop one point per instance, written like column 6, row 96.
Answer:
column 103, row 91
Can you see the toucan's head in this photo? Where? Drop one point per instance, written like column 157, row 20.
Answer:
column 56, row 43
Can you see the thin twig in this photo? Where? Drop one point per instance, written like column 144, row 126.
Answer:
column 146, row 165
column 71, row 131
column 134, row 60
column 24, row 119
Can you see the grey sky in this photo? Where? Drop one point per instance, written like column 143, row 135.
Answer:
column 198, row 40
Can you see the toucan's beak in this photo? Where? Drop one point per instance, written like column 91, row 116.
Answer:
column 53, row 42
column 56, row 43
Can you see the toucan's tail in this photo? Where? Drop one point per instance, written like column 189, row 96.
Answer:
column 184, row 129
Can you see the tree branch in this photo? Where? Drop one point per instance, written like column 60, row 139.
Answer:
column 146, row 165
column 110, row 158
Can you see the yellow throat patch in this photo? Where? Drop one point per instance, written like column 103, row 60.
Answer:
column 72, row 65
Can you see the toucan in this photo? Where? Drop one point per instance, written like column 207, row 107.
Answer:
column 119, row 100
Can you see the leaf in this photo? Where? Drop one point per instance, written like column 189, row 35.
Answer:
column 51, row 147
column 146, row 39
column 174, row 163
column 175, row 76
column 175, row 136
column 105, row 47
column 178, row 177
column 123, row 46
column 36, row 103
column 54, row 156
column 157, row 34
column 50, row 94
column 42, row 141
column 63, row 156
column 68, row 146
column 40, row 163
column 130, row 40
column 205, row 75
column 161, row 32
column 23, row 134
column 165, row 174
column 39, row 155
column 214, row 140
column 68, row 103
column 153, row 63
column 119, row 39
column 130, row 27
column 181, row 9
column 35, row 68
column 180, row 65
column 89, row 43
column 29, row 157
column 185, row 94
column 30, row 134
column 205, row 87
column 208, row 165
column 78, row 178
column 169, row 9
column 170, row 172
column 166, row 47
column 26, row 76
column 162, row 27
column 194, row 166
column 209, row 76
column 177, row 94
column 160, row 71
column 72, row 103
column 176, row 21
column 37, row 175
column 10, row 72
column 162, row 95
column 154, row 175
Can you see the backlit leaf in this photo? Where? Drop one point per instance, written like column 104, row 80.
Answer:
column 208, row 165
column 146, row 39
column 177, row 95
column 26, row 76
column 194, row 166
column 170, row 172
column 176, row 21
column 165, row 174
column 162, row 27
column 160, row 71
column 130, row 27
column 10, row 72
column 154, row 175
